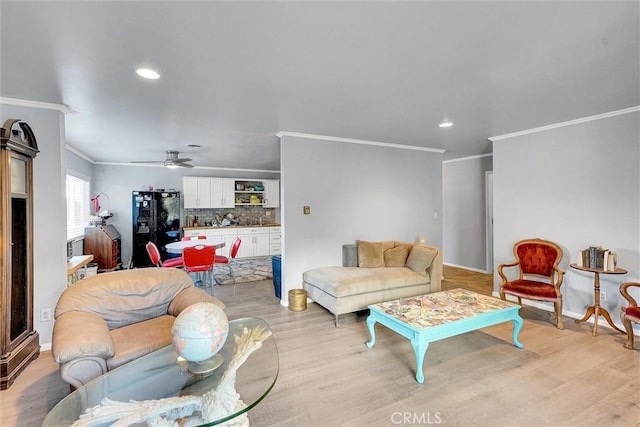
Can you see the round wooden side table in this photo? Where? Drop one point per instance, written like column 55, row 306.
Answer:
column 596, row 310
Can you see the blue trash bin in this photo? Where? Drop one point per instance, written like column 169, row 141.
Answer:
column 276, row 267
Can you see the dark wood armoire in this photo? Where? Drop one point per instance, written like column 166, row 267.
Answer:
column 19, row 342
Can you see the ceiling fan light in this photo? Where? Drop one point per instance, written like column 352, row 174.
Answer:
column 445, row 124
column 172, row 166
column 148, row 73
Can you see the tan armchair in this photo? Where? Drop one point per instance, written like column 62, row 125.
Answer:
column 109, row 319
column 629, row 314
column 539, row 276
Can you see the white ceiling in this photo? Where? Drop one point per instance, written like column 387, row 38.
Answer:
column 233, row 74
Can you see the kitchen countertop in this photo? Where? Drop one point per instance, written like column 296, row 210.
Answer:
column 210, row 227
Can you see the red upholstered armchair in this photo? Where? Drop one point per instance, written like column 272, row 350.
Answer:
column 540, row 277
column 629, row 314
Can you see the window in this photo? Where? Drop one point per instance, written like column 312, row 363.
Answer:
column 78, row 201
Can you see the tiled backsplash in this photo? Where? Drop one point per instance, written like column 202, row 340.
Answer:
column 246, row 215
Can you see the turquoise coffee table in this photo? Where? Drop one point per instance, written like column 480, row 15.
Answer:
column 427, row 318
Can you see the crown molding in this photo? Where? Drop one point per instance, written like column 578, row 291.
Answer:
column 93, row 162
column 79, row 154
column 461, row 159
column 36, row 104
column 567, row 123
column 357, row 141
column 237, row 169
column 146, row 165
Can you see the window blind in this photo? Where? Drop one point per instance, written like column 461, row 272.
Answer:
column 78, row 205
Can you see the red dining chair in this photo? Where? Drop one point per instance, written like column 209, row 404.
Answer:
column 199, row 259
column 154, row 254
column 233, row 251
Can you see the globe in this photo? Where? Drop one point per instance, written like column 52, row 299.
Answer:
column 198, row 333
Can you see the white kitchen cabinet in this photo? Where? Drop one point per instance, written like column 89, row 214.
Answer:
column 255, row 242
column 202, row 192
column 194, row 233
column 222, row 193
column 271, row 193
column 275, row 243
column 190, row 191
column 226, row 234
column 196, row 192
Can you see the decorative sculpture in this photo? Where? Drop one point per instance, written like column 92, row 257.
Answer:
column 185, row 411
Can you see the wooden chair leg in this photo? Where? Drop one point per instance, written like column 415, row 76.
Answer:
column 629, row 328
column 557, row 305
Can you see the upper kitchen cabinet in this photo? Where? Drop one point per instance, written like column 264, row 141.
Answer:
column 209, row 192
column 197, row 192
column 222, row 193
column 271, row 193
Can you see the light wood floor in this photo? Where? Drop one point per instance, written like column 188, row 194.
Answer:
column 328, row 377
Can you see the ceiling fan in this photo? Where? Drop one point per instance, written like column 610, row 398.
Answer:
column 172, row 161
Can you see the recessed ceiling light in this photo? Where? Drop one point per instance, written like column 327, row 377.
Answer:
column 147, row 73
column 445, row 124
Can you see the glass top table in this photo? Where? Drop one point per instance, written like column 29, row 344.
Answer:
column 159, row 375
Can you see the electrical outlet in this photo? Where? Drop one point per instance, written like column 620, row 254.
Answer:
column 603, row 296
column 45, row 315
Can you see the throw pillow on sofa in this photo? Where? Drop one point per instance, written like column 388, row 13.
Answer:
column 396, row 257
column 370, row 254
column 420, row 258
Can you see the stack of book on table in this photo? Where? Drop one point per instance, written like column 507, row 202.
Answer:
column 598, row 258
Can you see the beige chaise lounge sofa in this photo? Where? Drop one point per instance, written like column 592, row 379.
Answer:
column 109, row 319
column 374, row 272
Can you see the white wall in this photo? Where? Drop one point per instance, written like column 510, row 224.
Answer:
column 578, row 186
column 464, row 211
column 49, row 245
column 355, row 192
column 77, row 164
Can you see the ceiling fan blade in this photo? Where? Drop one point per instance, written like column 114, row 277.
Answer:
column 172, row 160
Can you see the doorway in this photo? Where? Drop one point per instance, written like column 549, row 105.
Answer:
column 488, row 182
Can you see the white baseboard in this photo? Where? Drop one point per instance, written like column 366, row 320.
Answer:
column 477, row 270
column 45, row 347
column 571, row 314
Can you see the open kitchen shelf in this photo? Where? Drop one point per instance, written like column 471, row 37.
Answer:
column 249, row 193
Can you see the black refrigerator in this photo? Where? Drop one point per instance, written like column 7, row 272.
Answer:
column 156, row 218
